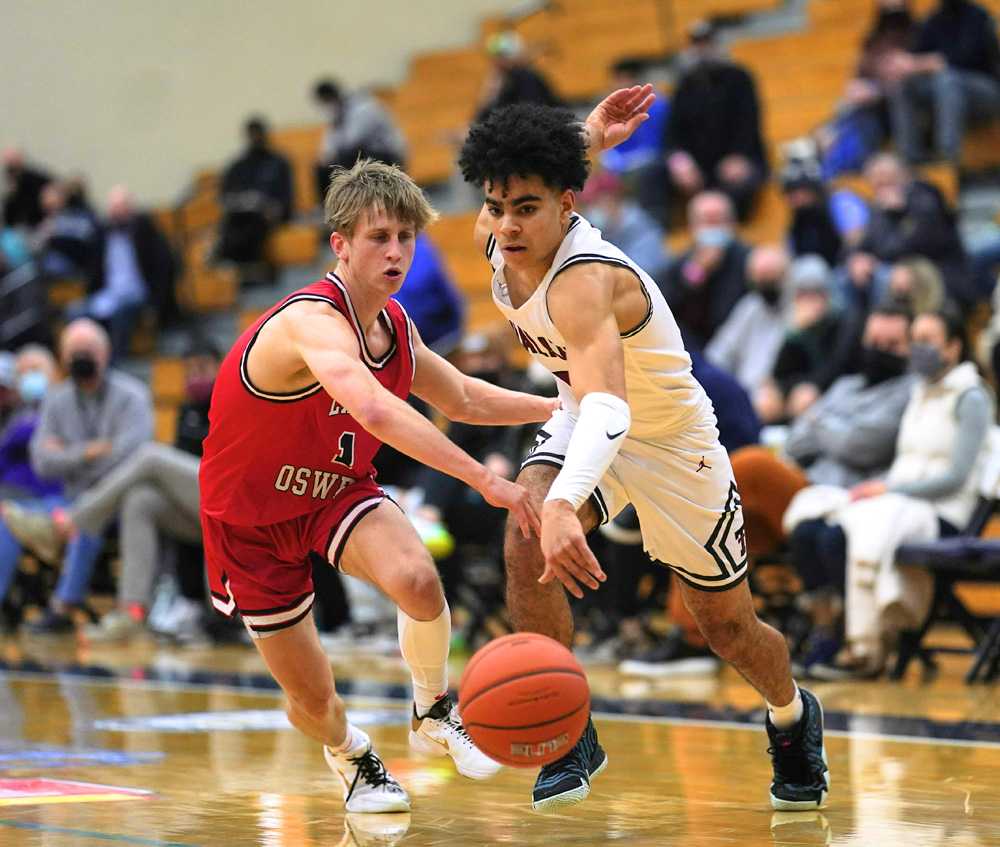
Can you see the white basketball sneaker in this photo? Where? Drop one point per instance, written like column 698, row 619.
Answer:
column 440, row 733
column 368, row 786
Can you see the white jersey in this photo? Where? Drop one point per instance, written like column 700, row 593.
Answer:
column 663, row 396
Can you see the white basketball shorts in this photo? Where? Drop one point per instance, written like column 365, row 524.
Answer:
column 683, row 492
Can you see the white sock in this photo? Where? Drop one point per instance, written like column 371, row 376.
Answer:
column 785, row 717
column 357, row 741
column 425, row 645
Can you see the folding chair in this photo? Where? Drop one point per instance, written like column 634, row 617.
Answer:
column 964, row 558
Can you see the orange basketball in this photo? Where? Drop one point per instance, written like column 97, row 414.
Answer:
column 524, row 700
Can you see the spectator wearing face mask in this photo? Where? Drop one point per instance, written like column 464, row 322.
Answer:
column 747, row 343
column 847, row 436
column 89, row 425
column 33, row 371
column 153, row 494
column 705, row 283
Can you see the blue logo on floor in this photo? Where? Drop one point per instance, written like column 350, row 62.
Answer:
column 18, row 758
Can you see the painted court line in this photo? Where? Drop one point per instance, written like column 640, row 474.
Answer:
column 97, row 836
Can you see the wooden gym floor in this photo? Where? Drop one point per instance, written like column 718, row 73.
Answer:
column 151, row 745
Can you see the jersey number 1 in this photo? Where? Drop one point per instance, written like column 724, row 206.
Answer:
column 346, row 455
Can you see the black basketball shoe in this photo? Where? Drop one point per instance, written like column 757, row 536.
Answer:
column 801, row 775
column 567, row 780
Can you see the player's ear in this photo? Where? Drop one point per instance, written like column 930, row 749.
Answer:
column 338, row 243
column 567, row 203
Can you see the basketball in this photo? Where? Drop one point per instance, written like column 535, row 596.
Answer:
column 524, row 700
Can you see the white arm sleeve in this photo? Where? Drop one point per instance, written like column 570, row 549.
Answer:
column 598, row 435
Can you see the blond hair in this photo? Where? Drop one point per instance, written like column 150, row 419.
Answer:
column 372, row 186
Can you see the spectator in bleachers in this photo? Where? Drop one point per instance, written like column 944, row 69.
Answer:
column 645, row 146
column 804, row 367
column 89, row 425
column 32, row 371
column 153, row 493
column 68, row 240
column 137, row 269
column 22, row 198
column 513, row 78
column 930, row 491
column 863, row 123
column 916, row 282
column 624, row 223
column 911, row 218
column 823, row 222
column 256, row 196
column 747, row 343
column 712, row 136
column 705, row 282
column 846, row 437
column 955, row 69
column 357, row 127
column 9, row 399
column 431, row 300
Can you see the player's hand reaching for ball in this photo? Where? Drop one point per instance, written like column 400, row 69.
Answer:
column 617, row 116
column 567, row 555
column 508, row 495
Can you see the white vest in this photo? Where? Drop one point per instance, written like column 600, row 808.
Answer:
column 663, row 397
column 927, row 434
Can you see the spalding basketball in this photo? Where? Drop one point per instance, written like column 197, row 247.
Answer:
column 524, row 700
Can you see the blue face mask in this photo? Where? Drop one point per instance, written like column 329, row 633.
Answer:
column 32, row 386
column 713, row 236
column 926, row 360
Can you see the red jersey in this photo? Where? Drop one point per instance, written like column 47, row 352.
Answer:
column 273, row 457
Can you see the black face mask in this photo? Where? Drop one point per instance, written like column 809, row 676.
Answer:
column 880, row 365
column 770, row 294
column 82, row 367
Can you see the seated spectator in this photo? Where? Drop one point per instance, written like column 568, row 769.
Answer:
column 357, row 127
column 705, row 283
column 255, row 194
column 805, row 367
column 645, row 145
column 955, row 69
column 911, row 218
column 34, row 370
column 9, row 399
column 138, row 269
column 916, row 282
column 930, row 491
column 748, row 342
column 430, row 298
column 623, row 222
column 68, row 240
column 863, row 123
column 89, row 425
column 513, row 78
column 823, row 223
column 712, row 135
column 846, row 437
column 153, row 492
column 22, row 197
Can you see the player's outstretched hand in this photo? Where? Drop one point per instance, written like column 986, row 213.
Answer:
column 508, row 495
column 617, row 116
column 567, row 556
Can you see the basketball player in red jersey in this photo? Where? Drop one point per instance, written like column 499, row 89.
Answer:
column 301, row 405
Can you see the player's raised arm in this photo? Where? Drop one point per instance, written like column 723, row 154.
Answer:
column 329, row 349
column 617, row 116
column 581, row 303
column 463, row 398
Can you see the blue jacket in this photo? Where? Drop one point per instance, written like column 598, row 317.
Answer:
column 430, row 298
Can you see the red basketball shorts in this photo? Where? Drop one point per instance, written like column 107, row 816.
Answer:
column 264, row 573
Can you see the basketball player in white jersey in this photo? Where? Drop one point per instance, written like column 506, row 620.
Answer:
column 635, row 427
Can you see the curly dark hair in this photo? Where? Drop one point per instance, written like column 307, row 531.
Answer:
column 526, row 140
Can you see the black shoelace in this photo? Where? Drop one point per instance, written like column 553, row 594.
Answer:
column 371, row 770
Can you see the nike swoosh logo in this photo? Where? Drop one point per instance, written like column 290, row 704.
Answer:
column 612, row 437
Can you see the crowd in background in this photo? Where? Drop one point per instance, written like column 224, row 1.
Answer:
column 855, row 410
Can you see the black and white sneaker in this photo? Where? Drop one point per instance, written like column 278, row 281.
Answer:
column 441, row 733
column 798, row 756
column 567, row 780
column 672, row 657
column 368, row 786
